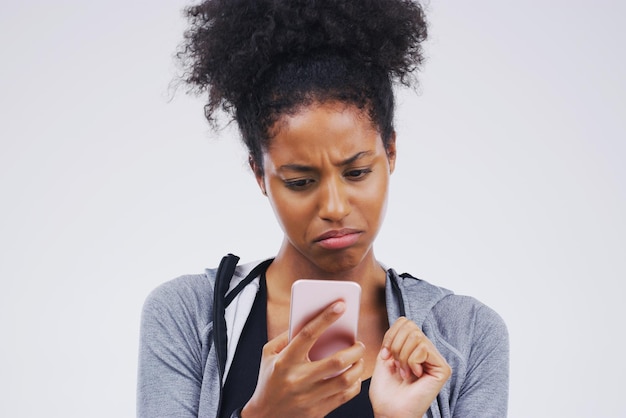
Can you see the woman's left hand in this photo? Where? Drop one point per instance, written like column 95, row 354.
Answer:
column 409, row 373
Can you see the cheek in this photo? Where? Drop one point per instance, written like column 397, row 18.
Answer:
column 374, row 199
column 291, row 212
column 376, row 193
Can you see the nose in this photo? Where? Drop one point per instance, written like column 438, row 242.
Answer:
column 334, row 202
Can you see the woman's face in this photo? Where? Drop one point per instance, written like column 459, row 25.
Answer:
column 326, row 174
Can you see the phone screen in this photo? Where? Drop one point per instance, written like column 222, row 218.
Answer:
column 310, row 297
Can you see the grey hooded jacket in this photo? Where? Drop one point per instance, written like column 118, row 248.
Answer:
column 178, row 367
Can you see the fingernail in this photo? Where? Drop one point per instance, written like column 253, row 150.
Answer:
column 403, row 373
column 339, row 307
column 385, row 353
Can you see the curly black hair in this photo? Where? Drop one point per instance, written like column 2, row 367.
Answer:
column 261, row 59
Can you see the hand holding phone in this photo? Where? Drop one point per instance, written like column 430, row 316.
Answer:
column 310, row 297
column 289, row 383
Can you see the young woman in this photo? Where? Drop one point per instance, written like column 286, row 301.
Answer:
column 309, row 84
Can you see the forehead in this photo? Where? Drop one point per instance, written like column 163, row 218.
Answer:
column 332, row 128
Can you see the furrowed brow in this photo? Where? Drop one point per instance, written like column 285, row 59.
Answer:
column 354, row 158
column 295, row 167
column 305, row 168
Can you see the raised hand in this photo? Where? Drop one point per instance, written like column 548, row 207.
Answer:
column 290, row 385
column 409, row 373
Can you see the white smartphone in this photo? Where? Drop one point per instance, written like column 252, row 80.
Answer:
column 310, row 297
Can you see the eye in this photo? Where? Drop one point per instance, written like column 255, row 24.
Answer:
column 358, row 174
column 298, row 184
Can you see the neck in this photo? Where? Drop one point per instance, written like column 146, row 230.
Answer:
column 290, row 265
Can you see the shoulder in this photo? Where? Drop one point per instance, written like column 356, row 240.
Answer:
column 474, row 340
column 460, row 322
column 465, row 319
column 188, row 299
column 473, row 335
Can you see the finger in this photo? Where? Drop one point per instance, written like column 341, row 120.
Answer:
column 416, row 358
column 426, row 359
column 402, row 333
column 391, row 333
column 301, row 344
column 412, row 344
column 391, row 336
column 419, row 352
column 339, row 362
column 338, row 389
column 337, row 399
column 341, row 388
column 276, row 344
column 406, row 339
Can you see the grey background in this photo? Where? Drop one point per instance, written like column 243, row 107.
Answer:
column 510, row 186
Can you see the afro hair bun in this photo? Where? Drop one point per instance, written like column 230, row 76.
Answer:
column 231, row 44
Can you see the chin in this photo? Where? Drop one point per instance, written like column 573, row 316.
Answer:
column 338, row 263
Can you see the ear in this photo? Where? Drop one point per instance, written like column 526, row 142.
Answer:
column 258, row 174
column 391, row 152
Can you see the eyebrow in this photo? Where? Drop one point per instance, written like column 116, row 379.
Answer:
column 347, row 161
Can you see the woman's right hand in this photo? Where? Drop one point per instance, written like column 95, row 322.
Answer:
column 291, row 385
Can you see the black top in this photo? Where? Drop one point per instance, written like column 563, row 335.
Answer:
column 244, row 370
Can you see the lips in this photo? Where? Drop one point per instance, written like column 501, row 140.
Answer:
column 338, row 239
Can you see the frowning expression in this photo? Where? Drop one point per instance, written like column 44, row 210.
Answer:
column 326, row 174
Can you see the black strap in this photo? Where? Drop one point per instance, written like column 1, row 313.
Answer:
column 225, row 272
column 251, row 276
column 221, row 300
column 398, row 292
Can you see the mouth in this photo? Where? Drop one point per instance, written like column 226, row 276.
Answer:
column 338, row 239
